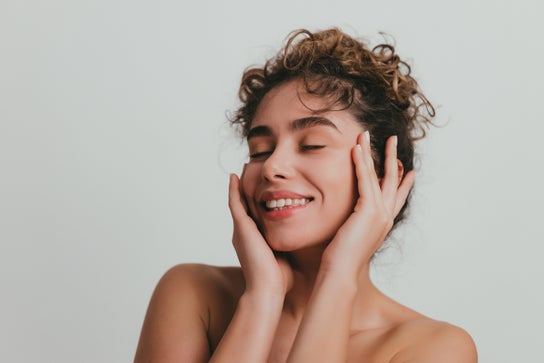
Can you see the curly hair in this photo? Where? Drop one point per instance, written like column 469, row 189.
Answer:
column 375, row 85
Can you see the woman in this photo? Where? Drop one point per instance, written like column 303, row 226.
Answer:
column 330, row 127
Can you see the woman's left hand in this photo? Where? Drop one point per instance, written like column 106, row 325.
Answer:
column 378, row 204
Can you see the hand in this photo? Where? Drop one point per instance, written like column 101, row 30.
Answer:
column 263, row 270
column 378, row 204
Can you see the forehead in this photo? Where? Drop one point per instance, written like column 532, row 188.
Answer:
column 289, row 101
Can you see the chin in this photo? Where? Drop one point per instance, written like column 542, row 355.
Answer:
column 282, row 243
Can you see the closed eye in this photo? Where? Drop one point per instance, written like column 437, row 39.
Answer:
column 311, row 147
column 260, row 154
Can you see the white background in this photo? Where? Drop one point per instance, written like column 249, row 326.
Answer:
column 115, row 153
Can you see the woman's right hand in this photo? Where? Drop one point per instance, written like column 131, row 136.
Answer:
column 250, row 334
column 264, row 271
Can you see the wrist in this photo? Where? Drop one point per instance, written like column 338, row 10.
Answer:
column 341, row 280
column 263, row 299
column 348, row 271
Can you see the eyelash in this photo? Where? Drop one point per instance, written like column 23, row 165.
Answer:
column 311, row 147
column 259, row 154
column 302, row 148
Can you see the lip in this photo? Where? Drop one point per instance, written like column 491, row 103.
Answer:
column 285, row 212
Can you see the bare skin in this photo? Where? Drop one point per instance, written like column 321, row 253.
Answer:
column 303, row 292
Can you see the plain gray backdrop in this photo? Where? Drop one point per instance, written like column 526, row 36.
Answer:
column 115, row 154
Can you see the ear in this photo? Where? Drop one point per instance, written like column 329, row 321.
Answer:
column 400, row 171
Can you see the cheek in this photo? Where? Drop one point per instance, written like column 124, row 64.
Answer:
column 342, row 184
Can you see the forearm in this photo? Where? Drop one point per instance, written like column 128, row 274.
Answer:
column 323, row 335
column 250, row 334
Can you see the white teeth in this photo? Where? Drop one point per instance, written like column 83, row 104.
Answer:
column 280, row 203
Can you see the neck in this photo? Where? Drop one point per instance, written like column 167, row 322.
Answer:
column 305, row 265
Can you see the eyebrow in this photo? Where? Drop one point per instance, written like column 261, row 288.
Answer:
column 296, row 125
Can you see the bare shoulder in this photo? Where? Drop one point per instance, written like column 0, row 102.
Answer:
column 198, row 285
column 214, row 290
column 426, row 340
column 188, row 312
column 202, row 279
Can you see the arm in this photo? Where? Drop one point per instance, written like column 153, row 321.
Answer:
column 175, row 326
column 177, row 323
column 250, row 334
column 251, row 331
column 326, row 322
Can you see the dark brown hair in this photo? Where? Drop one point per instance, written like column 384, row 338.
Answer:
column 374, row 84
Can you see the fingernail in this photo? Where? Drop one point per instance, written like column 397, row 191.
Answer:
column 367, row 136
column 395, row 140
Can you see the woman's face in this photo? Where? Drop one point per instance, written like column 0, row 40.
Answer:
column 299, row 182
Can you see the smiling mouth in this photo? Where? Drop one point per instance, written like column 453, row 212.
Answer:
column 284, row 203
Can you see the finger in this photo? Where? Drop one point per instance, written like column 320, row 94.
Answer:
column 367, row 180
column 403, row 191
column 389, row 182
column 243, row 199
column 372, row 179
column 361, row 171
column 244, row 227
column 236, row 204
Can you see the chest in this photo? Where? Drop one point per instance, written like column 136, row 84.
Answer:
column 368, row 347
column 283, row 340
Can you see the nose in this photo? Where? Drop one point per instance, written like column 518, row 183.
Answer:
column 279, row 164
